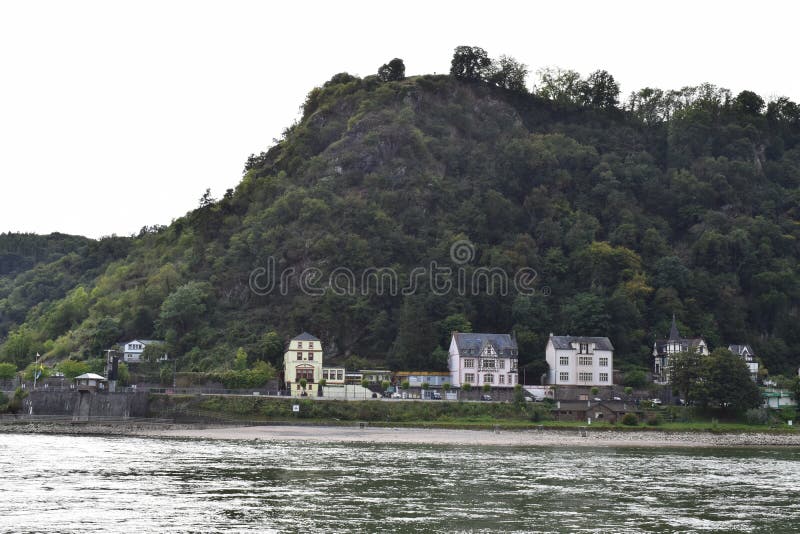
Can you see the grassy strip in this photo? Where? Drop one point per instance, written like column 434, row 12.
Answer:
column 440, row 414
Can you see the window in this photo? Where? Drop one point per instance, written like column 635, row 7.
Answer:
column 470, row 363
column 325, row 374
column 603, row 362
column 563, row 360
column 488, row 379
column 310, row 344
column 585, row 377
column 584, row 348
column 510, row 379
column 584, row 360
column 469, row 377
column 299, row 344
column 603, row 377
column 501, row 379
column 563, row 377
column 502, row 364
column 308, row 374
column 299, row 355
column 310, row 356
column 489, row 364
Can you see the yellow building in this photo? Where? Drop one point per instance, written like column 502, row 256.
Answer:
column 303, row 360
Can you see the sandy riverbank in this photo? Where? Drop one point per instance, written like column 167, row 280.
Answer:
column 549, row 437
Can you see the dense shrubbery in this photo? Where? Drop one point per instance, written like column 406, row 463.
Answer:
column 630, row 419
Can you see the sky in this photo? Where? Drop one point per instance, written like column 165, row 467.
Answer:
column 119, row 114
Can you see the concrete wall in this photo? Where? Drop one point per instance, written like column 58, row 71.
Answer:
column 69, row 402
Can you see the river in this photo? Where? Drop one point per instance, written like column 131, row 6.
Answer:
column 55, row 483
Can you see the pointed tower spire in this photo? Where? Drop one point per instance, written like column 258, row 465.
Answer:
column 673, row 331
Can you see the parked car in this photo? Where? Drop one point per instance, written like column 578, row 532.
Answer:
column 655, row 401
column 436, row 395
column 617, row 398
column 486, row 397
column 396, row 395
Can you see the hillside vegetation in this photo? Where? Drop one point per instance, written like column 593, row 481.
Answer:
column 681, row 202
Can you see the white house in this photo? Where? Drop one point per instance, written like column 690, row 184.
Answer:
column 580, row 361
column 132, row 350
column 479, row 359
column 303, row 361
column 749, row 356
column 664, row 348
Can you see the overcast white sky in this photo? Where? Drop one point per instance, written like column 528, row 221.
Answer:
column 115, row 115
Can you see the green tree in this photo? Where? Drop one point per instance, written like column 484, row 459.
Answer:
column 487, row 388
column 560, row 86
column 508, row 73
column 21, row 347
column 457, row 322
column 72, row 368
column 470, row 63
column 635, row 378
column 685, row 371
column 240, row 362
column 466, row 386
column 726, row 382
column 270, row 347
column 600, row 90
column 184, row 307
column 394, row 71
column 7, row 371
column 123, row 374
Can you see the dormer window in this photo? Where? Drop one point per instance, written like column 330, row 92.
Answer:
column 583, row 348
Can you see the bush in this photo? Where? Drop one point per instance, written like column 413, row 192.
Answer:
column 541, row 412
column 757, row 416
column 788, row 413
column 630, row 419
column 3, row 402
column 7, row 371
column 635, row 379
column 653, row 420
column 466, row 386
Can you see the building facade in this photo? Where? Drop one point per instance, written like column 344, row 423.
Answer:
column 302, row 361
column 580, row 361
column 746, row 353
column 479, row 359
column 132, row 350
column 415, row 379
column 663, row 349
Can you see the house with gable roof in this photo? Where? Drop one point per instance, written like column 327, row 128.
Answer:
column 663, row 349
column 747, row 353
column 580, row 361
column 479, row 358
column 132, row 350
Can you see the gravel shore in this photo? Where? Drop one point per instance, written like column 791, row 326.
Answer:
column 431, row 436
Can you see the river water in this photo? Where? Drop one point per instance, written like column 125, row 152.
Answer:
column 121, row 484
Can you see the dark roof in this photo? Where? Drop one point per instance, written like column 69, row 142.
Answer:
column 305, row 336
column 673, row 331
column 564, row 342
column 740, row 349
column 468, row 342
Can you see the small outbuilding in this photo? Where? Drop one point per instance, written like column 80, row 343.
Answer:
column 91, row 382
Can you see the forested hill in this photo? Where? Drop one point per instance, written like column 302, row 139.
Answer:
column 681, row 202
